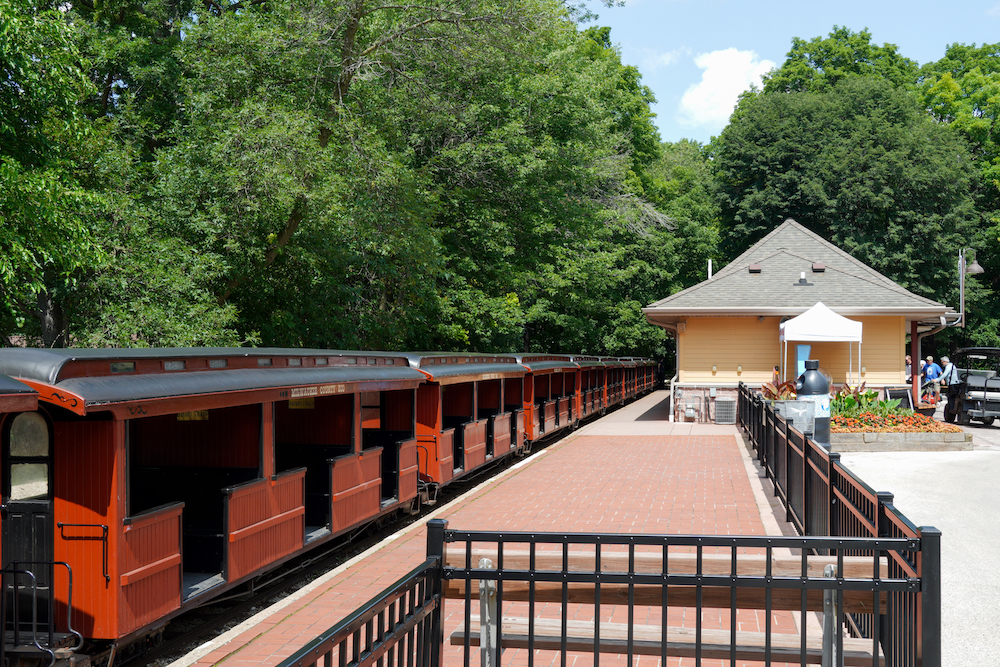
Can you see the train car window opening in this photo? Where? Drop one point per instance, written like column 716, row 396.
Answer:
column 321, row 361
column 218, row 363
column 29, row 481
column 29, row 435
column 263, row 362
column 122, row 366
column 372, row 362
column 174, row 365
column 294, row 362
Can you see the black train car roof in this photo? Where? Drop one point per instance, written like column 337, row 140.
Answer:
column 47, row 366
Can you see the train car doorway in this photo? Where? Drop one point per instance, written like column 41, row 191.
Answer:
column 27, row 514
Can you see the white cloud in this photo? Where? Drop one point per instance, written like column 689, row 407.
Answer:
column 993, row 11
column 654, row 60
column 728, row 73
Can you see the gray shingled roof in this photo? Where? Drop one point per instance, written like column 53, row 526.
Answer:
column 846, row 284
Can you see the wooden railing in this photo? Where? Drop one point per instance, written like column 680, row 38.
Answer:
column 407, row 470
column 356, row 484
column 151, row 572
column 501, row 433
column 565, row 417
column 474, row 438
column 266, row 520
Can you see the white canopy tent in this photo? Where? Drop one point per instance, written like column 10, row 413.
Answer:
column 819, row 324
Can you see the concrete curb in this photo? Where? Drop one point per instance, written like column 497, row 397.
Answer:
column 900, row 442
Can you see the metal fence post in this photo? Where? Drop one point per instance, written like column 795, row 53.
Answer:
column 435, row 548
column 929, row 651
column 830, row 656
column 881, row 523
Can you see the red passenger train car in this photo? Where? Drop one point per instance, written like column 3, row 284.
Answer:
column 469, row 413
column 138, row 484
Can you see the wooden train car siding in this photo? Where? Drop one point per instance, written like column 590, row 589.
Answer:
column 550, row 415
column 407, row 470
column 446, row 452
column 475, row 444
column 223, row 438
column 428, row 432
column 322, row 420
column 357, row 488
column 152, row 573
column 397, row 410
column 266, row 520
column 87, row 504
column 565, row 416
column 502, row 441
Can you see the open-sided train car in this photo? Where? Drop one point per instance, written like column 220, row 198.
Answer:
column 172, row 475
column 469, row 413
column 590, row 398
column 550, row 388
column 140, row 483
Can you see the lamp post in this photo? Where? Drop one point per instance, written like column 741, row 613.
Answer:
column 964, row 268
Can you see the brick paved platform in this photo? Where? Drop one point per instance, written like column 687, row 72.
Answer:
column 630, row 472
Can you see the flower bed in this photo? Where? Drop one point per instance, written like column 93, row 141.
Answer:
column 867, row 422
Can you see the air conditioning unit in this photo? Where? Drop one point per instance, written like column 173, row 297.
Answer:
column 725, row 410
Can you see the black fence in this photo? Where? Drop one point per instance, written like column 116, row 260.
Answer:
column 860, row 569
column 822, row 497
column 399, row 626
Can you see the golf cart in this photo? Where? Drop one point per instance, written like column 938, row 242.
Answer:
column 977, row 394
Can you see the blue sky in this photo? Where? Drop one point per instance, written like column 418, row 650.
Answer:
column 698, row 55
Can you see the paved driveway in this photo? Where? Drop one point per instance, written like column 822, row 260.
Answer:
column 956, row 492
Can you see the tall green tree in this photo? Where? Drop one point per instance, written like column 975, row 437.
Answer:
column 820, row 63
column 962, row 90
column 45, row 214
column 862, row 165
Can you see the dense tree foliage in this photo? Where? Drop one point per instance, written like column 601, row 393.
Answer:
column 822, row 62
column 455, row 174
column 963, row 90
column 863, row 166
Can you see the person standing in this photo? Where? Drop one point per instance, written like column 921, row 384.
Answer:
column 949, row 374
column 931, row 373
column 909, row 369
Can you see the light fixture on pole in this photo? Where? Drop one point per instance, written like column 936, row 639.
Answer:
column 964, row 268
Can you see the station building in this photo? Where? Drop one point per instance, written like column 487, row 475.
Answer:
column 730, row 328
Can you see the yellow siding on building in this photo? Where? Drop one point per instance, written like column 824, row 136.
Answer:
column 728, row 342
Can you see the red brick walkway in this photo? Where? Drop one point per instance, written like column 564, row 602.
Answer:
column 591, row 483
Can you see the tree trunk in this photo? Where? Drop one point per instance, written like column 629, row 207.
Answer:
column 51, row 319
